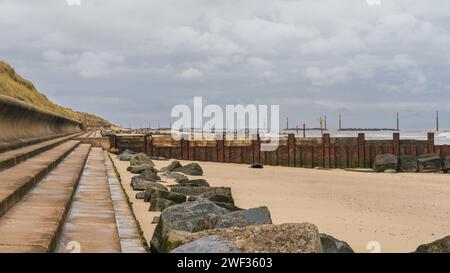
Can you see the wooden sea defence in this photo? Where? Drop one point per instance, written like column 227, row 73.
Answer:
column 323, row 152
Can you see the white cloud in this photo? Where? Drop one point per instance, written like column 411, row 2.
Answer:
column 192, row 74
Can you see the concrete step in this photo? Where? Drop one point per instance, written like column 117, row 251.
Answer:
column 13, row 157
column 91, row 226
column 130, row 235
column 16, row 181
column 34, row 223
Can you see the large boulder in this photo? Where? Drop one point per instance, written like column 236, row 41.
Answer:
column 141, row 159
column 429, row 163
column 384, row 162
column 214, row 197
column 259, row 216
column 285, row 238
column 223, row 221
column 228, row 206
column 207, row 244
column 126, row 155
column 149, row 175
column 172, row 166
column 190, row 169
column 195, row 183
column 333, row 245
column 178, row 177
column 177, row 198
column 242, row 218
column 139, row 184
column 200, row 190
column 407, row 164
column 152, row 193
column 160, row 204
column 137, row 169
column 186, row 217
column 439, row 246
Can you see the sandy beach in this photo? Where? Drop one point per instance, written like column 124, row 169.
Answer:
column 399, row 211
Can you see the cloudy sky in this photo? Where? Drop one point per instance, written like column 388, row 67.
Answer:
column 132, row 61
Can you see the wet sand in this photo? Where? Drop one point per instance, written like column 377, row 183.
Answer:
column 400, row 211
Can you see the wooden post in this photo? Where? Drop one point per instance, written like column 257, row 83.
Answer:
column 430, row 142
column 291, row 150
column 396, row 143
column 257, row 150
column 150, row 146
column 145, row 144
column 361, row 150
column 220, row 149
column 304, row 130
column 185, row 148
column 326, row 150
column 437, row 121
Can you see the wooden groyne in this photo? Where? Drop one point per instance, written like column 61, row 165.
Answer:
column 325, row 152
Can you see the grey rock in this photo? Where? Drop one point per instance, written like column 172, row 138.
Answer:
column 390, row 171
column 190, row 169
column 186, row 217
column 140, row 195
column 137, row 169
column 126, row 155
column 260, row 215
column 257, row 166
column 200, row 190
column 141, row 159
column 139, row 184
column 429, row 163
column 228, row 206
column 213, row 221
column 177, row 198
column 385, row 161
column 285, row 238
column 178, row 177
column 214, row 197
column 439, row 246
column 208, row 244
column 172, row 166
column 408, row 164
column 150, row 175
column 195, row 183
column 160, row 204
column 333, row 245
column 152, row 193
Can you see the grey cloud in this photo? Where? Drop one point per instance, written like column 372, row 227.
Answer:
column 132, row 61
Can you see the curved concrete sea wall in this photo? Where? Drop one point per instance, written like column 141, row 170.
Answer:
column 21, row 124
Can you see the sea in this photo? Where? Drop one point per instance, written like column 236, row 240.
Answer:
column 440, row 137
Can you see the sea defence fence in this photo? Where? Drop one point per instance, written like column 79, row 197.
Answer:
column 22, row 124
column 324, row 152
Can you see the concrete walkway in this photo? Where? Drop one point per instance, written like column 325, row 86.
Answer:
column 91, row 225
column 99, row 220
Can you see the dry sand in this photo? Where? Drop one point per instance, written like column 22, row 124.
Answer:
column 400, row 211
